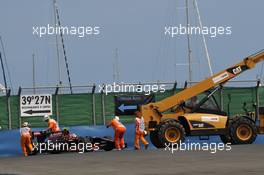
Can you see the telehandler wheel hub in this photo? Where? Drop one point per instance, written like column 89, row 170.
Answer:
column 244, row 132
column 172, row 134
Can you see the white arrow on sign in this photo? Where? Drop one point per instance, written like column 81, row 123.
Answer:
column 128, row 107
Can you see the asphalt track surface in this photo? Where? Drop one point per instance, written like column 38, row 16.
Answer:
column 242, row 159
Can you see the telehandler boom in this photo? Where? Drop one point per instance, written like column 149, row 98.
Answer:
column 170, row 119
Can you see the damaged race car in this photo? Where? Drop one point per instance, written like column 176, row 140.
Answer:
column 64, row 141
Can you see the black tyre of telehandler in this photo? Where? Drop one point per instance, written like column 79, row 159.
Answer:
column 171, row 131
column 155, row 139
column 226, row 139
column 243, row 131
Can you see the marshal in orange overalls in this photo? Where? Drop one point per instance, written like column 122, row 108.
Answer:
column 120, row 130
column 53, row 125
column 25, row 140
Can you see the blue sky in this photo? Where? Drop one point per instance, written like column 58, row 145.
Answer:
column 136, row 28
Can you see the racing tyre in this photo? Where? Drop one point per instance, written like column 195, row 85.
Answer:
column 243, row 131
column 56, row 149
column 110, row 145
column 171, row 132
column 86, row 141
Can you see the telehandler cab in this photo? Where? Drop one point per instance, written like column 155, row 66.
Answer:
column 195, row 112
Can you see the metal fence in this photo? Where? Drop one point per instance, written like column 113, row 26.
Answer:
column 89, row 105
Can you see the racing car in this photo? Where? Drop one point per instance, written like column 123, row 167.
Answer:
column 64, row 141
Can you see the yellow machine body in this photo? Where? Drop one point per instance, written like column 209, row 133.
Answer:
column 170, row 107
column 198, row 121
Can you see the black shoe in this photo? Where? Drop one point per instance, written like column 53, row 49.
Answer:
column 146, row 146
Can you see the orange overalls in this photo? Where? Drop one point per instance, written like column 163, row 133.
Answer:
column 139, row 134
column 25, row 140
column 120, row 130
column 53, row 126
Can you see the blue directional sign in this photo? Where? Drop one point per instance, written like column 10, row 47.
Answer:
column 128, row 104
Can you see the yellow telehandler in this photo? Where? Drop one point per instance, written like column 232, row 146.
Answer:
column 195, row 112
